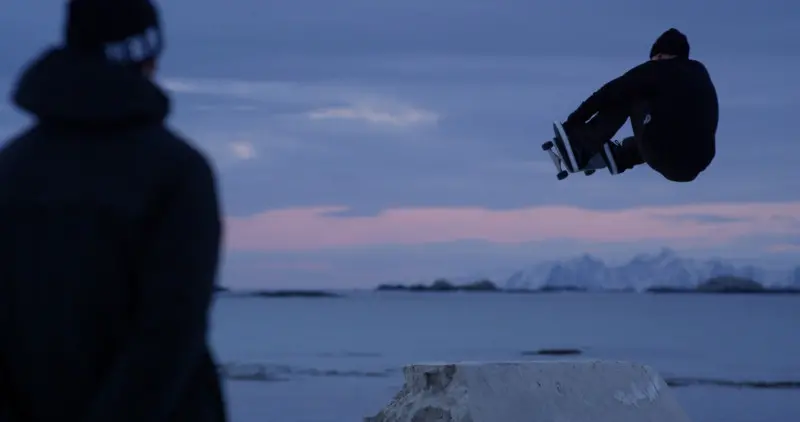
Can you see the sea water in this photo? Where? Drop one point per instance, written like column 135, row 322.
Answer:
column 338, row 359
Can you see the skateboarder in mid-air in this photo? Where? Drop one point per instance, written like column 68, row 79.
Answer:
column 672, row 104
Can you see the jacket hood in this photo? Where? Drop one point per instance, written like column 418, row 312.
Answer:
column 68, row 87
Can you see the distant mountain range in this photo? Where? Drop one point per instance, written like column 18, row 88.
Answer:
column 665, row 268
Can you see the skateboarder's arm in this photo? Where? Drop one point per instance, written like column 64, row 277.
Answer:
column 173, row 292
column 636, row 83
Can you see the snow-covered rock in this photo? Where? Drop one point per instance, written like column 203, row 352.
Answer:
column 665, row 268
column 589, row 391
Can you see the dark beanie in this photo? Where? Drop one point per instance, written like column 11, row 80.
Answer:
column 122, row 31
column 672, row 42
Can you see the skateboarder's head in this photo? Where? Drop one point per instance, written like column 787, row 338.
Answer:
column 127, row 32
column 671, row 44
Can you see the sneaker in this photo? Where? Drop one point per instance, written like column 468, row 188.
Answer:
column 597, row 162
column 571, row 148
column 608, row 154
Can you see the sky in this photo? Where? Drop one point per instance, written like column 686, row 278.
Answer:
column 359, row 141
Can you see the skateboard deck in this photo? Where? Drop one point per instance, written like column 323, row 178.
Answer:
column 560, row 152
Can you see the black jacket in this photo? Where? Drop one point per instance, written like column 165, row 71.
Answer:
column 682, row 102
column 109, row 241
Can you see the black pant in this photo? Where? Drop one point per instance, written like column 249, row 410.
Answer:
column 645, row 146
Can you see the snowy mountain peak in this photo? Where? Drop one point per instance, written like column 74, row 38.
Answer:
column 664, row 268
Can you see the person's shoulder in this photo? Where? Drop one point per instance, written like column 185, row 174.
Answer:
column 671, row 66
column 645, row 67
column 647, row 71
column 694, row 62
column 183, row 154
column 17, row 145
column 698, row 68
column 171, row 155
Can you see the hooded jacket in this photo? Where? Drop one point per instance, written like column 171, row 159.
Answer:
column 108, row 255
column 681, row 101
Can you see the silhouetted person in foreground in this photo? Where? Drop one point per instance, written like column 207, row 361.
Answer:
column 673, row 108
column 109, row 237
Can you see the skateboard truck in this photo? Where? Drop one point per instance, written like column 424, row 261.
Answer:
column 558, row 161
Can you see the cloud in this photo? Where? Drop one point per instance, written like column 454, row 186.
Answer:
column 243, row 150
column 784, row 247
column 703, row 218
column 403, row 117
column 316, row 228
column 267, row 91
column 351, row 103
column 222, row 107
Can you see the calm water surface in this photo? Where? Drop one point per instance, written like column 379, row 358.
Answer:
column 337, row 359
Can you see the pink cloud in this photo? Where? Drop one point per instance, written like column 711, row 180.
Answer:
column 298, row 266
column 784, row 248
column 316, row 228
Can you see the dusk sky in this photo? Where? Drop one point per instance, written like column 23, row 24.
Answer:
column 365, row 141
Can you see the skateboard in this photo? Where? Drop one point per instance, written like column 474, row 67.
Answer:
column 560, row 153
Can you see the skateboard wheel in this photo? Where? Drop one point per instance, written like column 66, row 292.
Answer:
column 589, row 172
column 547, row 145
column 562, row 175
